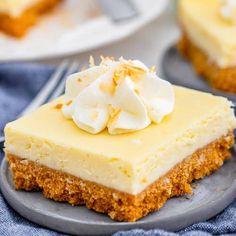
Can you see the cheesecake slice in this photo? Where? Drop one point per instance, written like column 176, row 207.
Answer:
column 17, row 16
column 127, row 175
column 209, row 40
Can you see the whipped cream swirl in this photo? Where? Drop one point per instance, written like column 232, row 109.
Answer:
column 122, row 96
column 228, row 10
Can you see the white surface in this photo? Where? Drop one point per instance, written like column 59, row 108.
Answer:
column 69, row 30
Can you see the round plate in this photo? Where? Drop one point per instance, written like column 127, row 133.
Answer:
column 76, row 26
column 179, row 71
column 210, row 196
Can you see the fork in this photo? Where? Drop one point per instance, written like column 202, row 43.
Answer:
column 119, row 10
column 53, row 88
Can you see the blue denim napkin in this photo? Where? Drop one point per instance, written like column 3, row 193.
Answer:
column 18, row 85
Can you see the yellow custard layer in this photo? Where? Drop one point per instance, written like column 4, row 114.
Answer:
column 127, row 162
column 207, row 29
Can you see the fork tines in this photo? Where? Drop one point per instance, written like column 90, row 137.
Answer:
column 53, row 88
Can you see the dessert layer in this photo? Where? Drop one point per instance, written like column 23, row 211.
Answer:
column 122, row 160
column 120, row 206
column 17, row 26
column 208, row 30
column 219, row 78
column 15, row 8
column 126, row 162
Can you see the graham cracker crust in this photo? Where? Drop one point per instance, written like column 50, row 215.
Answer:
column 219, row 78
column 120, row 206
column 18, row 26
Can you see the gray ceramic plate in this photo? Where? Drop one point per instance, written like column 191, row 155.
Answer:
column 211, row 195
column 180, row 72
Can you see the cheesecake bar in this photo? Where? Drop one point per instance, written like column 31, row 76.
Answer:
column 130, row 167
column 209, row 40
column 17, row 16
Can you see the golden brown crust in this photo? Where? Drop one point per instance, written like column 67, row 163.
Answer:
column 220, row 78
column 18, row 26
column 121, row 206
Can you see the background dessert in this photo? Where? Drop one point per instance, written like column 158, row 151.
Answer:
column 17, row 16
column 208, row 40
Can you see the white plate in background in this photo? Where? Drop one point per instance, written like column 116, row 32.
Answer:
column 76, row 26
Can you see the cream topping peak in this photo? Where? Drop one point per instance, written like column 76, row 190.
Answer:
column 122, row 96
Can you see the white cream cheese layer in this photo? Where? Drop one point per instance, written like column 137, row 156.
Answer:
column 15, row 8
column 122, row 96
column 127, row 162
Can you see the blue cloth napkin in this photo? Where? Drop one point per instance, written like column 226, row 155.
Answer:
column 18, row 85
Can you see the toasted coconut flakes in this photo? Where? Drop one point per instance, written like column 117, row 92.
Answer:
column 69, row 102
column 144, row 180
column 91, row 61
column 114, row 114
column 136, row 91
column 103, row 59
column 135, row 72
column 152, row 69
column 58, row 106
column 114, row 159
column 119, row 74
column 107, row 88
